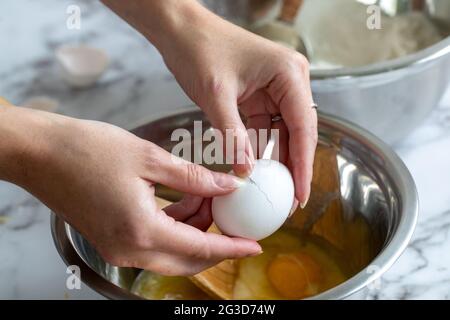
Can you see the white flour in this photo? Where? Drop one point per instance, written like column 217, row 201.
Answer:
column 336, row 34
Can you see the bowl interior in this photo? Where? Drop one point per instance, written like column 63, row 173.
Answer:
column 251, row 13
column 370, row 222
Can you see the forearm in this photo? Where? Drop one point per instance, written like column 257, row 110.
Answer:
column 24, row 138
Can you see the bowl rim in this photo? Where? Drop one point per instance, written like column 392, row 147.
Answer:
column 407, row 223
column 421, row 57
column 382, row 262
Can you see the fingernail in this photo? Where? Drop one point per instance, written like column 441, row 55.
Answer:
column 238, row 182
column 304, row 203
column 291, row 212
column 249, row 167
column 294, row 207
column 226, row 181
column 246, row 169
column 254, row 254
column 250, row 162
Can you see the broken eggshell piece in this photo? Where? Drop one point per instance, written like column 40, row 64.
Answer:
column 81, row 65
column 260, row 206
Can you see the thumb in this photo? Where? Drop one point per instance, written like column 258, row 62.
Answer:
column 224, row 115
column 185, row 176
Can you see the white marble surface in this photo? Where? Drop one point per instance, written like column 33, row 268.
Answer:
column 138, row 85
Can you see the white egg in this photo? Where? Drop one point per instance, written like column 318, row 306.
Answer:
column 260, row 206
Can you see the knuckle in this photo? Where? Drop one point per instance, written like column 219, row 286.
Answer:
column 163, row 266
column 132, row 236
column 296, row 62
column 314, row 136
column 201, row 250
column 190, row 203
column 214, row 85
column 208, row 91
column 215, row 91
column 308, row 132
column 313, row 132
column 162, row 270
column 138, row 241
column 188, row 272
column 152, row 160
column 301, row 61
column 174, row 271
column 113, row 258
column 169, row 270
column 193, row 174
column 298, row 162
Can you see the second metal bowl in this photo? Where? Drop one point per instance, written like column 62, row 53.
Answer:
column 389, row 98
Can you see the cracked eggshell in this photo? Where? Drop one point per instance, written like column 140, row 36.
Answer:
column 260, row 206
column 81, row 65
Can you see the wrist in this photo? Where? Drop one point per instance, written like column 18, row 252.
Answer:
column 25, row 143
column 175, row 19
column 160, row 21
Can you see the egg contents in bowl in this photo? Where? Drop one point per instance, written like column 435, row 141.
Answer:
column 291, row 267
column 260, row 206
column 305, row 275
column 156, row 287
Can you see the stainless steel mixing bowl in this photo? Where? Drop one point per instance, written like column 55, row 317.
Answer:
column 375, row 186
column 389, row 98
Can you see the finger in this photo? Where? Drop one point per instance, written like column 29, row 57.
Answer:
column 260, row 102
column 192, row 210
column 202, row 220
column 294, row 207
column 185, row 176
column 182, row 239
column 296, row 202
column 159, row 262
column 224, row 115
column 258, row 109
column 170, row 265
column 184, row 209
column 302, row 145
column 293, row 93
column 281, row 149
column 258, row 122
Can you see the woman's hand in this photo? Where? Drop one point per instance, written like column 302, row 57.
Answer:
column 101, row 179
column 227, row 70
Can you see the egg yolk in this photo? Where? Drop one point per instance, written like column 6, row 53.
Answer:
column 295, row 276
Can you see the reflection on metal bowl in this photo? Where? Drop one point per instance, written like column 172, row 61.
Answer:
column 389, row 98
column 372, row 183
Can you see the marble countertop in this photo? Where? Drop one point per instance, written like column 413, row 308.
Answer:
column 138, row 85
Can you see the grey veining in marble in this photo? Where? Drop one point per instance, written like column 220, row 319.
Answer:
column 137, row 85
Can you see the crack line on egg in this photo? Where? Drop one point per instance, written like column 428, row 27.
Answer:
column 260, row 190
